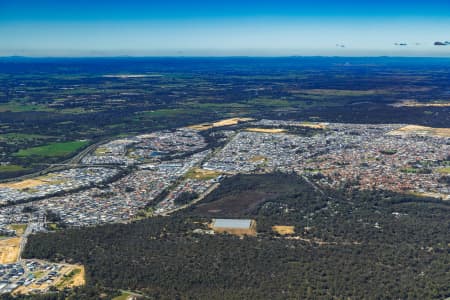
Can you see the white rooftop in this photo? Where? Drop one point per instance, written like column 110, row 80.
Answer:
column 232, row 223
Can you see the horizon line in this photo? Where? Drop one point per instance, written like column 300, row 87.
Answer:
column 218, row 56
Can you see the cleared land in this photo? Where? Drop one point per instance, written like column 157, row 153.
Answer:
column 266, row 130
column 421, row 130
column 257, row 158
column 444, row 197
column 9, row 250
column 73, row 276
column 251, row 231
column 19, row 228
column 24, row 184
column 234, row 205
column 313, row 125
column 31, row 183
column 412, row 103
column 221, row 123
column 283, row 230
column 202, row 174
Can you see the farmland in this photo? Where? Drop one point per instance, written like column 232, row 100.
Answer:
column 11, row 168
column 45, row 112
column 52, row 150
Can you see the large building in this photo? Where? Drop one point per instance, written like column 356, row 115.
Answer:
column 234, row 226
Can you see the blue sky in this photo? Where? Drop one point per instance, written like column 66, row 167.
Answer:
column 217, row 28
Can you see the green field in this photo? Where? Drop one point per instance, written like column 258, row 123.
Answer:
column 21, row 107
column 52, row 150
column 19, row 228
column 163, row 113
column 445, row 170
column 12, row 168
column 21, row 137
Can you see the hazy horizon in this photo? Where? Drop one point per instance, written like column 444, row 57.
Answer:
column 52, row 28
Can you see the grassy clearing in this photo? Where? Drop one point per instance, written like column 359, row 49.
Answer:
column 38, row 274
column 269, row 102
column 74, row 276
column 19, row 228
column 53, row 149
column 12, row 168
column 162, row 113
column 53, row 226
column 445, row 170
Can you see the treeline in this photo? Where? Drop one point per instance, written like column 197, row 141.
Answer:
column 80, row 293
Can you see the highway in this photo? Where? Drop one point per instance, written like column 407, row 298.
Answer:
column 23, row 241
column 60, row 166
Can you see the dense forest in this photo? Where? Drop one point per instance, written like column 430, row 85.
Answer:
column 346, row 245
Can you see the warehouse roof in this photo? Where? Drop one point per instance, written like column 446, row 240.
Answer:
column 232, row 223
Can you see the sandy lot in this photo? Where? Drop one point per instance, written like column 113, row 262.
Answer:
column 266, row 130
column 75, row 277
column 421, row 130
column 9, row 250
column 221, row 123
column 313, row 125
column 24, row 184
column 283, row 230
